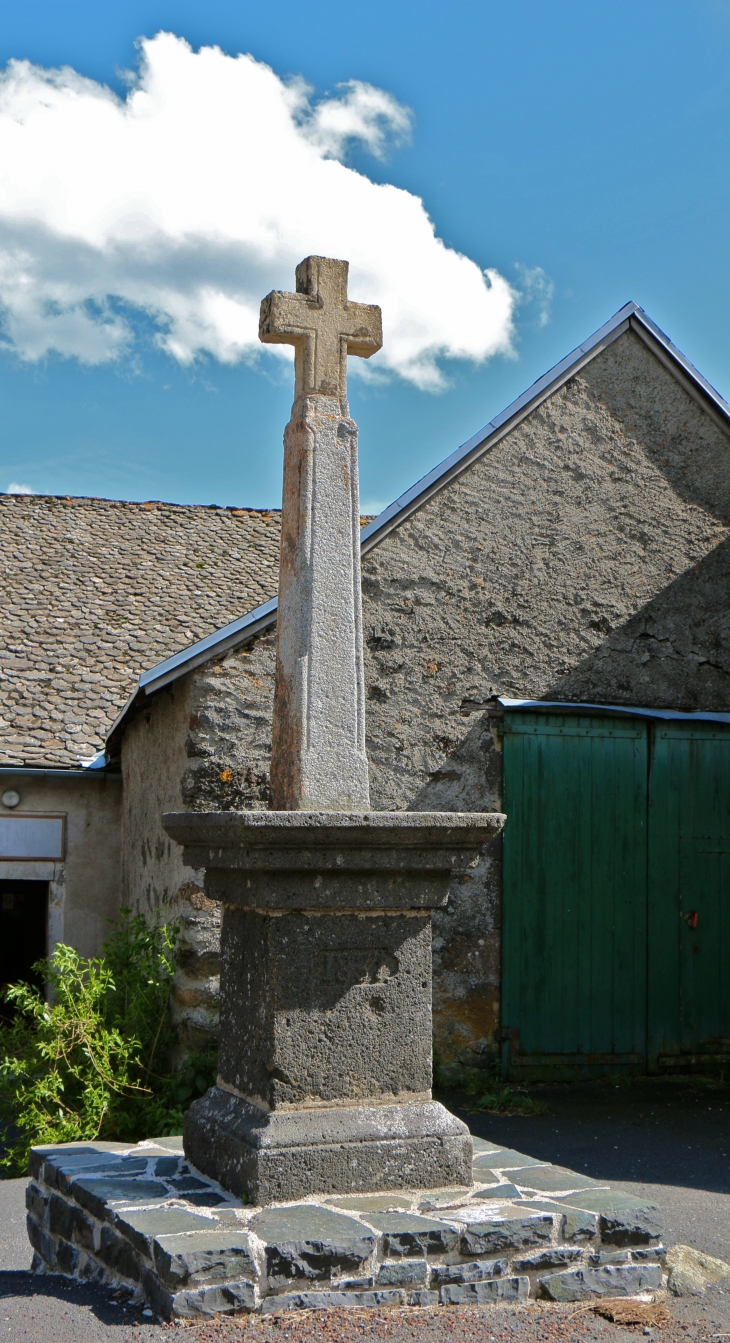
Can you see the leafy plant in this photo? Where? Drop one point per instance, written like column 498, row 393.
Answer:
column 486, row 1087
column 508, row 1101
column 91, row 1059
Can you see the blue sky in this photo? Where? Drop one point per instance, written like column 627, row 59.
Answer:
column 578, row 151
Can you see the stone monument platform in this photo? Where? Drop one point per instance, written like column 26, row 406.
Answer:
column 144, row 1220
column 319, row 1171
column 325, row 1033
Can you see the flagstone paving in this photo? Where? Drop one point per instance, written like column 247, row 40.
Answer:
column 142, row 1220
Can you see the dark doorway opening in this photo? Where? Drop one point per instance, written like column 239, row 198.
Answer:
column 23, row 920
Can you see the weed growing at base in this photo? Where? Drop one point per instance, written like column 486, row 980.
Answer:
column 507, row 1101
column 485, row 1088
column 91, row 1060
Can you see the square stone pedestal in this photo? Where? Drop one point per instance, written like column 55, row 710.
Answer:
column 325, row 1027
column 280, row 1155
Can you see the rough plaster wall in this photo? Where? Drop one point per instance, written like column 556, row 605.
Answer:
column 585, row 556
column 203, row 745
column 153, row 760
column 155, row 881
column 84, row 890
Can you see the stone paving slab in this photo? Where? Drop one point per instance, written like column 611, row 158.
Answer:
column 143, row 1219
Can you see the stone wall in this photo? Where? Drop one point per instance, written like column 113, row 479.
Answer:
column 202, row 744
column 140, row 1221
column 155, row 881
column 585, row 556
column 154, row 754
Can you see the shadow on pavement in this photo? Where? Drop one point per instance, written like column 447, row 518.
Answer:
column 653, row 1131
column 19, row 1283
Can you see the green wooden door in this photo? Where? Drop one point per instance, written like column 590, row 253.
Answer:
column 575, row 895
column 689, row 896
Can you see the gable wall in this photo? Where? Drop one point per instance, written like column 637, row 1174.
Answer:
column 584, row 557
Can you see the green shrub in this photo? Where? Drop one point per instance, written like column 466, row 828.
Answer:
column 506, row 1100
column 485, row 1088
column 92, row 1060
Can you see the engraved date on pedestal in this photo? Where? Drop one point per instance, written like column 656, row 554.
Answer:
column 357, row 965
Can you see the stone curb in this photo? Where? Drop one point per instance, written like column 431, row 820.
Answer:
column 142, row 1219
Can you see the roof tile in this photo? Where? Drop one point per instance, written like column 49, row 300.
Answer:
column 96, row 591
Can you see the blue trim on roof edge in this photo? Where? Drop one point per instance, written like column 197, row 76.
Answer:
column 210, row 641
column 542, row 384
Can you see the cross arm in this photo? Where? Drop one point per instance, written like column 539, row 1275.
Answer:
column 286, row 319
column 322, row 324
column 365, row 334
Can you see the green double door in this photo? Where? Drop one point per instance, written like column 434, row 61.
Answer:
column 616, row 912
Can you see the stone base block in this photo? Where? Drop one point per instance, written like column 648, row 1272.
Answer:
column 276, row 1157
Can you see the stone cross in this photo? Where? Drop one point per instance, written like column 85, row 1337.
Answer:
column 324, row 1081
column 323, row 325
column 318, row 758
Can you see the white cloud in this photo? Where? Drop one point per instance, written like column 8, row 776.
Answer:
column 373, row 506
column 537, row 292
column 363, row 113
column 200, row 191
column 15, row 488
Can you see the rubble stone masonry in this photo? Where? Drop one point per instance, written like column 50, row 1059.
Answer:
column 586, row 556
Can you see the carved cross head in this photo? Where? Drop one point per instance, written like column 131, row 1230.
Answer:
column 322, row 324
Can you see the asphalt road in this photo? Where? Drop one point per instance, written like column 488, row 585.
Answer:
column 664, row 1140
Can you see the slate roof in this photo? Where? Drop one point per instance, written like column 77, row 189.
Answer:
column 94, row 591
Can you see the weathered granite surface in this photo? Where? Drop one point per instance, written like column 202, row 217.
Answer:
column 143, row 1219
column 325, row 1055
column 318, row 759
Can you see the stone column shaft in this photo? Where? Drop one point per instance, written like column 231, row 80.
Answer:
column 318, row 760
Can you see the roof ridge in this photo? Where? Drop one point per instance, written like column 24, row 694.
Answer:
column 6, row 497
column 623, row 319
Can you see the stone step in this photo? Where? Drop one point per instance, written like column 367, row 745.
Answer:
column 143, row 1219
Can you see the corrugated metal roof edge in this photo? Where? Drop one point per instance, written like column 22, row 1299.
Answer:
column 239, row 631
column 634, row 711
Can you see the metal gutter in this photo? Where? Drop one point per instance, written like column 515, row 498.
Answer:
column 630, row 316
column 6, row 770
column 699, row 716
column 247, row 626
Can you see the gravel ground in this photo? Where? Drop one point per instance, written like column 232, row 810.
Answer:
column 668, row 1140
column 69, row 1314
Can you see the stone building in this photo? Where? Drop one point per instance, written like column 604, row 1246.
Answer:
column 93, row 591
column 574, row 552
